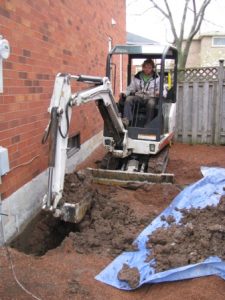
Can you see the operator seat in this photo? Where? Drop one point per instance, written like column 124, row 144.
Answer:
column 140, row 114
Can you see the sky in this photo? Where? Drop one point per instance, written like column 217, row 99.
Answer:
column 146, row 21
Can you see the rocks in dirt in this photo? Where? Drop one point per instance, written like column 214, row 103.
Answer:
column 169, row 219
column 216, row 228
column 129, row 275
column 200, row 234
column 134, row 185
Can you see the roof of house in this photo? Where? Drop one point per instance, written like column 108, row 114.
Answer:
column 204, row 34
column 212, row 33
column 137, row 39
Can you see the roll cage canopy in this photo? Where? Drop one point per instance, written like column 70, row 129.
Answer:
column 146, row 49
column 153, row 51
column 158, row 52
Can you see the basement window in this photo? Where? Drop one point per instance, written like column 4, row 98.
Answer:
column 218, row 41
column 73, row 144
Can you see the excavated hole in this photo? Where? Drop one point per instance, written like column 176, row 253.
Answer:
column 42, row 234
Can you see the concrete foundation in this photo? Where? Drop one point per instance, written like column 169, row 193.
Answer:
column 25, row 203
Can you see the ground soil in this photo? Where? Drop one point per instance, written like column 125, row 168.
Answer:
column 80, row 252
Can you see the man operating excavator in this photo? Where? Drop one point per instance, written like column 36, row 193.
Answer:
column 144, row 88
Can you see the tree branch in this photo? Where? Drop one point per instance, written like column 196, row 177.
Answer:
column 198, row 19
column 183, row 20
column 159, row 8
column 170, row 18
column 198, row 16
column 168, row 15
column 194, row 8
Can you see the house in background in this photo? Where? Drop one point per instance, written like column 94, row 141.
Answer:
column 206, row 50
column 48, row 37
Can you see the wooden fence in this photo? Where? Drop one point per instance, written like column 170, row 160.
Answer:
column 200, row 108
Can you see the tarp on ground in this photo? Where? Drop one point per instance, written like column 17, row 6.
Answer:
column 206, row 191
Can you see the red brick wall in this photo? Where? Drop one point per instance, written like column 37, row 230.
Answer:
column 47, row 37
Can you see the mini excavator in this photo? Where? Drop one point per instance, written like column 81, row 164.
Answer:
column 134, row 153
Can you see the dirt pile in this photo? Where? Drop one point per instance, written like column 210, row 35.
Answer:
column 130, row 275
column 77, row 187
column 200, row 234
column 110, row 226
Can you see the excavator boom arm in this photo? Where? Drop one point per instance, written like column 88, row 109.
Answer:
column 60, row 109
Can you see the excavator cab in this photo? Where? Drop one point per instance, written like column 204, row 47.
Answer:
column 123, row 62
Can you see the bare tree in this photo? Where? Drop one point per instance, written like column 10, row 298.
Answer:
column 197, row 18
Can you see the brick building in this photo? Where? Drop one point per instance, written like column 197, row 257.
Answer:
column 47, row 37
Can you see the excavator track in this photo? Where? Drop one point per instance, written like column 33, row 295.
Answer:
column 109, row 162
column 157, row 164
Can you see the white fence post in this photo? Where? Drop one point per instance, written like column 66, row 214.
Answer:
column 219, row 101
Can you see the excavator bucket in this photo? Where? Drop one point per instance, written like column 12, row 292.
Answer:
column 74, row 213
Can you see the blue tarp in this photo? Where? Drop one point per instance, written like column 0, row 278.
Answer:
column 206, row 191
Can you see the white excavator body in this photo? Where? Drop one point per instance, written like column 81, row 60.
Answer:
column 130, row 148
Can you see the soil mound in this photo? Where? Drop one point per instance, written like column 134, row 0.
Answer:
column 200, row 234
column 130, row 275
column 77, row 187
column 110, row 226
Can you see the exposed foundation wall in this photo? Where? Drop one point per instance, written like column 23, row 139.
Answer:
column 26, row 202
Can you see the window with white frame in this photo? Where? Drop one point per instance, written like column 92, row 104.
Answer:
column 218, row 41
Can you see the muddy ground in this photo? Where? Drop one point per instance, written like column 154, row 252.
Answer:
column 59, row 261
